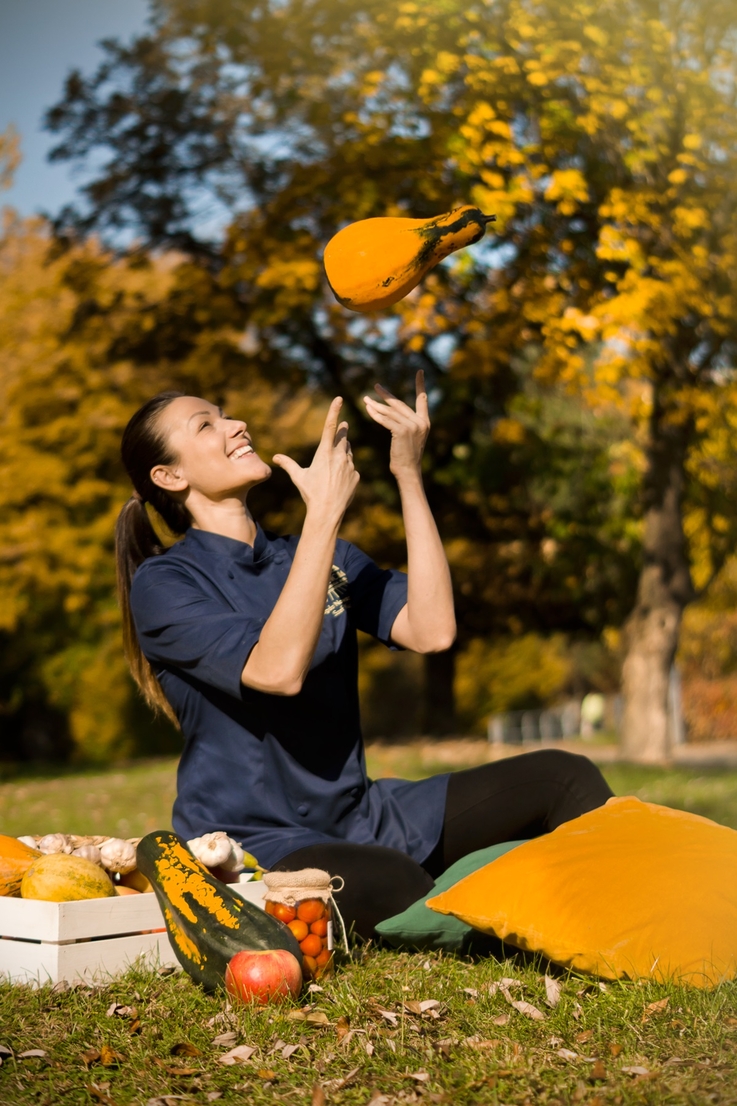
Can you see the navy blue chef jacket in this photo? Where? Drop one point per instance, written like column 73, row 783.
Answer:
column 275, row 772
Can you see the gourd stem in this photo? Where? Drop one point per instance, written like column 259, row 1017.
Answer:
column 488, row 218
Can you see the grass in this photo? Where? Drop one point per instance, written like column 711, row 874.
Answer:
column 621, row 1045
column 130, row 801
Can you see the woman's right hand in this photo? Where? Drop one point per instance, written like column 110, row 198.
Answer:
column 329, row 484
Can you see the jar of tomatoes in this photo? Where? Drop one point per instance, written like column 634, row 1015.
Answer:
column 304, row 902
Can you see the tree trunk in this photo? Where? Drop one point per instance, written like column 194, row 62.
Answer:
column 438, row 707
column 664, row 588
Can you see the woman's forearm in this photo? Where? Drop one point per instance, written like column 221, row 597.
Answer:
column 281, row 658
column 427, row 623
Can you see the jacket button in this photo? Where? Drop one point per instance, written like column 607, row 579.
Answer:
column 303, row 809
column 279, row 559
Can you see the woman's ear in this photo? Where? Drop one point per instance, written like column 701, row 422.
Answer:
column 168, row 479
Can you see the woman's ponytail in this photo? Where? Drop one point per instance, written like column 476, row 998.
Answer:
column 143, row 447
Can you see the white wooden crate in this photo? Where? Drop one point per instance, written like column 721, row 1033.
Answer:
column 44, row 942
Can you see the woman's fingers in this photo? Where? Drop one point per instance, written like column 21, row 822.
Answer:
column 289, row 465
column 330, row 428
column 421, row 404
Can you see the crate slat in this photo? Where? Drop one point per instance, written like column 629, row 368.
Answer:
column 26, row 962
column 71, row 921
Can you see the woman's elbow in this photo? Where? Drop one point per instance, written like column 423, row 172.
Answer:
column 275, row 683
column 440, row 642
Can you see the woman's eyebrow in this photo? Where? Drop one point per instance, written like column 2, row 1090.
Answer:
column 196, row 413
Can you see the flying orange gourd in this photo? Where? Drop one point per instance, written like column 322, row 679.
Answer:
column 374, row 263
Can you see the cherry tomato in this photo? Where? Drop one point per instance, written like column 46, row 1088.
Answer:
column 281, row 911
column 310, row 910
column 324, row 958
column 299, row 929
column 320, row 927
column 312, row 945
column 309, row 965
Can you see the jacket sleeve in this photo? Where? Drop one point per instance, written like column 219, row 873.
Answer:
column 376, row 595
column 180, row 626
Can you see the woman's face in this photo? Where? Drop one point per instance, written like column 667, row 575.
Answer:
column 215, row 455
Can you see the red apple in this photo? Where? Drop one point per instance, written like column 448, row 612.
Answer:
column 260, row 975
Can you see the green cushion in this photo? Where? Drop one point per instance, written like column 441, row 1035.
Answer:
column 418, row 927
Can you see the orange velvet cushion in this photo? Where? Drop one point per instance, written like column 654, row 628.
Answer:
column 630, row 890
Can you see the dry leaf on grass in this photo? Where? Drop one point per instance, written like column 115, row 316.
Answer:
column 237, row 1055
column 480, row 1043
column 90, row 1056
column 526, row 1008
column 418, row 1076
column 616, row 1050
column 99, row 1094
column 318, row 1096
column 598, row 1072
column 582, row 1038
column 567, row 1054
column 553, row 988
column 184, row 1048
column 31, row 1054
column 266, row 1074
column 109, row 1058
column 635, row 1069
column 654, row 1008
column 212, row 1096
column 338, row 1084
column 225, row 1039
column 342, row 1026
column 500, row 1019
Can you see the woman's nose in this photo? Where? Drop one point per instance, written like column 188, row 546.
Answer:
column 237, row 426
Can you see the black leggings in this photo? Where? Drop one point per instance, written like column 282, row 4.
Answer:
column 521, row 797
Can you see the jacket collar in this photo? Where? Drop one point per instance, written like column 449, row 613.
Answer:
column 202, row 542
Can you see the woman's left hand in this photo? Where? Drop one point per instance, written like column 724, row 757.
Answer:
column 409, row 429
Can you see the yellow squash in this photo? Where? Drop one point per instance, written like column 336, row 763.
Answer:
column 376, row 262
column 15, row 860
column 61, row 878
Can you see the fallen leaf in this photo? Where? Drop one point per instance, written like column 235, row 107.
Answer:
column 527, row 1009
column 222, row 1019
column 342, row 1026
column 314, row 988
column 225, row 1039
column 368, row 1047
column 553, row 988
column 317, row 1017
column 134, row 1027
column 603, row 987
column 99, row 1094
column 289, row 1050
column 31, row 1054
column 419, row 1076
column 390, row 1016
column 616, row 1050
column 582, row 1038
column 472, row 991
column 184, row 1048
column 109, row 1058
column 318, row 1096
column 338, row 1084
column 296, row 1016
column 731, row 1021
column 500, row 1019
column 635, row 1069
column 598, row 1072
column 5, row 1052
column 212, row 1096
column 654, row 1008
column 555, row 1042
column 577, row 1010
column 479, row 1043
column 566, row 1054
column 237, row 1055
column 443, row 1046
column 90, row 1056
column 266, row 1074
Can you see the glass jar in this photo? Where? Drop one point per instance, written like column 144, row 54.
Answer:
column 303, row 901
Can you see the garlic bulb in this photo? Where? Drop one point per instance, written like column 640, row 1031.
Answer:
column 55, row 843
column 118, row 855
column 28, row 840
column 89, row 852
column 213, row 849
column 234, row 862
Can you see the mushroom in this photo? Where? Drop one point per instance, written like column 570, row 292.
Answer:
column 118, row 855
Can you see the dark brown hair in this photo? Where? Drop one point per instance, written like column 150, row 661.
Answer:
column 143, row 447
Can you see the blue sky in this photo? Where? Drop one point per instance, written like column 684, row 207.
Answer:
column 40, row 41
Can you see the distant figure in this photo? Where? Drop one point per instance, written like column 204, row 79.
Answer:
column 248, row 640
column 592, row 714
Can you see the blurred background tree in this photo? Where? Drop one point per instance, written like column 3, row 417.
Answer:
column 579, row 361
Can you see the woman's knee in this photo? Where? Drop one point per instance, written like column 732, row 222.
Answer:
column 579, row 775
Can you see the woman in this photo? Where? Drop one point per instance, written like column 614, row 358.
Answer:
column 249, row 641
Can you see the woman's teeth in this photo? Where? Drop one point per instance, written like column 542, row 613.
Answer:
column 241, row 452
